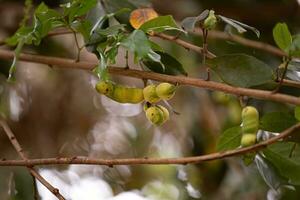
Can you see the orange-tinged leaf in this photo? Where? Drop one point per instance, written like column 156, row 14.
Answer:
column 139, row 16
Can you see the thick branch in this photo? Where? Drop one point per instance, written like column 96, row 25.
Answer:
column 32, row 171
column 68, row 63
column 152, row 161
column 213, row 34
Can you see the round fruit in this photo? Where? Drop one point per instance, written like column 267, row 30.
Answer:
column 250, row 120
column 150, row 94
column 248, row 140
column 165, row 90
column 155, row 115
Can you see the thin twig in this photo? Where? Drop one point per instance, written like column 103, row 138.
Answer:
column 69, row 63
column 31, row 169
column 205, row 51
column 126, row 59
column 35, row 191
column 286, row 64
column 184, row 44
column 153, row 161
column 243, row 41
column 77, row 45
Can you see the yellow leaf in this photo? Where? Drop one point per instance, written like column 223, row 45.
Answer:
column 139, row 16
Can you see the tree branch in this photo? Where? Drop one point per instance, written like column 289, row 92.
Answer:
column 238, row 39
column 69, row 63
column 31, row 169
column 184, row 44
column 213, row 34
column 153, row 161
column 244, row 41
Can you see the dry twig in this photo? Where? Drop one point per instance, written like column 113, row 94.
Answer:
column 31, row 169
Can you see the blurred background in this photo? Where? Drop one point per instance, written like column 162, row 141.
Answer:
column 56, row 112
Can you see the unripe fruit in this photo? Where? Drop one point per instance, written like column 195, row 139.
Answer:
column 211, row 21
column 105, row 88
column 248, row 140
column 150, row 94
column 155, row 115
column 250, row 119
column 165, row 112
column 165, row 90
column 250, row 126
column 120, row 93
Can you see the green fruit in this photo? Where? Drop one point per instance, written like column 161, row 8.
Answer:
column 250, row 120
column 165, row 90
column 165, row 112
column 211, row 21
column 150, row 94
column 123, row 94
column 120, row 93
column 248, row 140
column 155, row 115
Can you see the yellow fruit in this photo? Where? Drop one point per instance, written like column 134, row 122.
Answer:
column 155, row 115
column 250, row 126
column 120, row 93
column 250, row 120
column 248, row 140
column 165, row 90
column 150, row 94
column 211, row 21
column 165, row 112
column 105, row 88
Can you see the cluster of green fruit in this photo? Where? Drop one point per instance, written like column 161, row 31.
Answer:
column 250, row 126
column 151, row 94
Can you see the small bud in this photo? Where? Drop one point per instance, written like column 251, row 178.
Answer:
column 211, row 21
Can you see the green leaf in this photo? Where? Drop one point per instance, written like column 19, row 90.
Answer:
column 84, row 28
column 282, row 36
column 297, row 113
column 160, row 24
column 287, row 166
column 138, row 43
column 155, row 46
column 294, row 49
column 230, row 139
column 239, row 26
column 189, row 23
column 22, row 34
column 167, row 65
column 269, row 172
column 45, row 20
column 277, row 121
column 112, row 6
column 78, row 8
column 101, row 70
column 241, row 70
column 111, row 31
